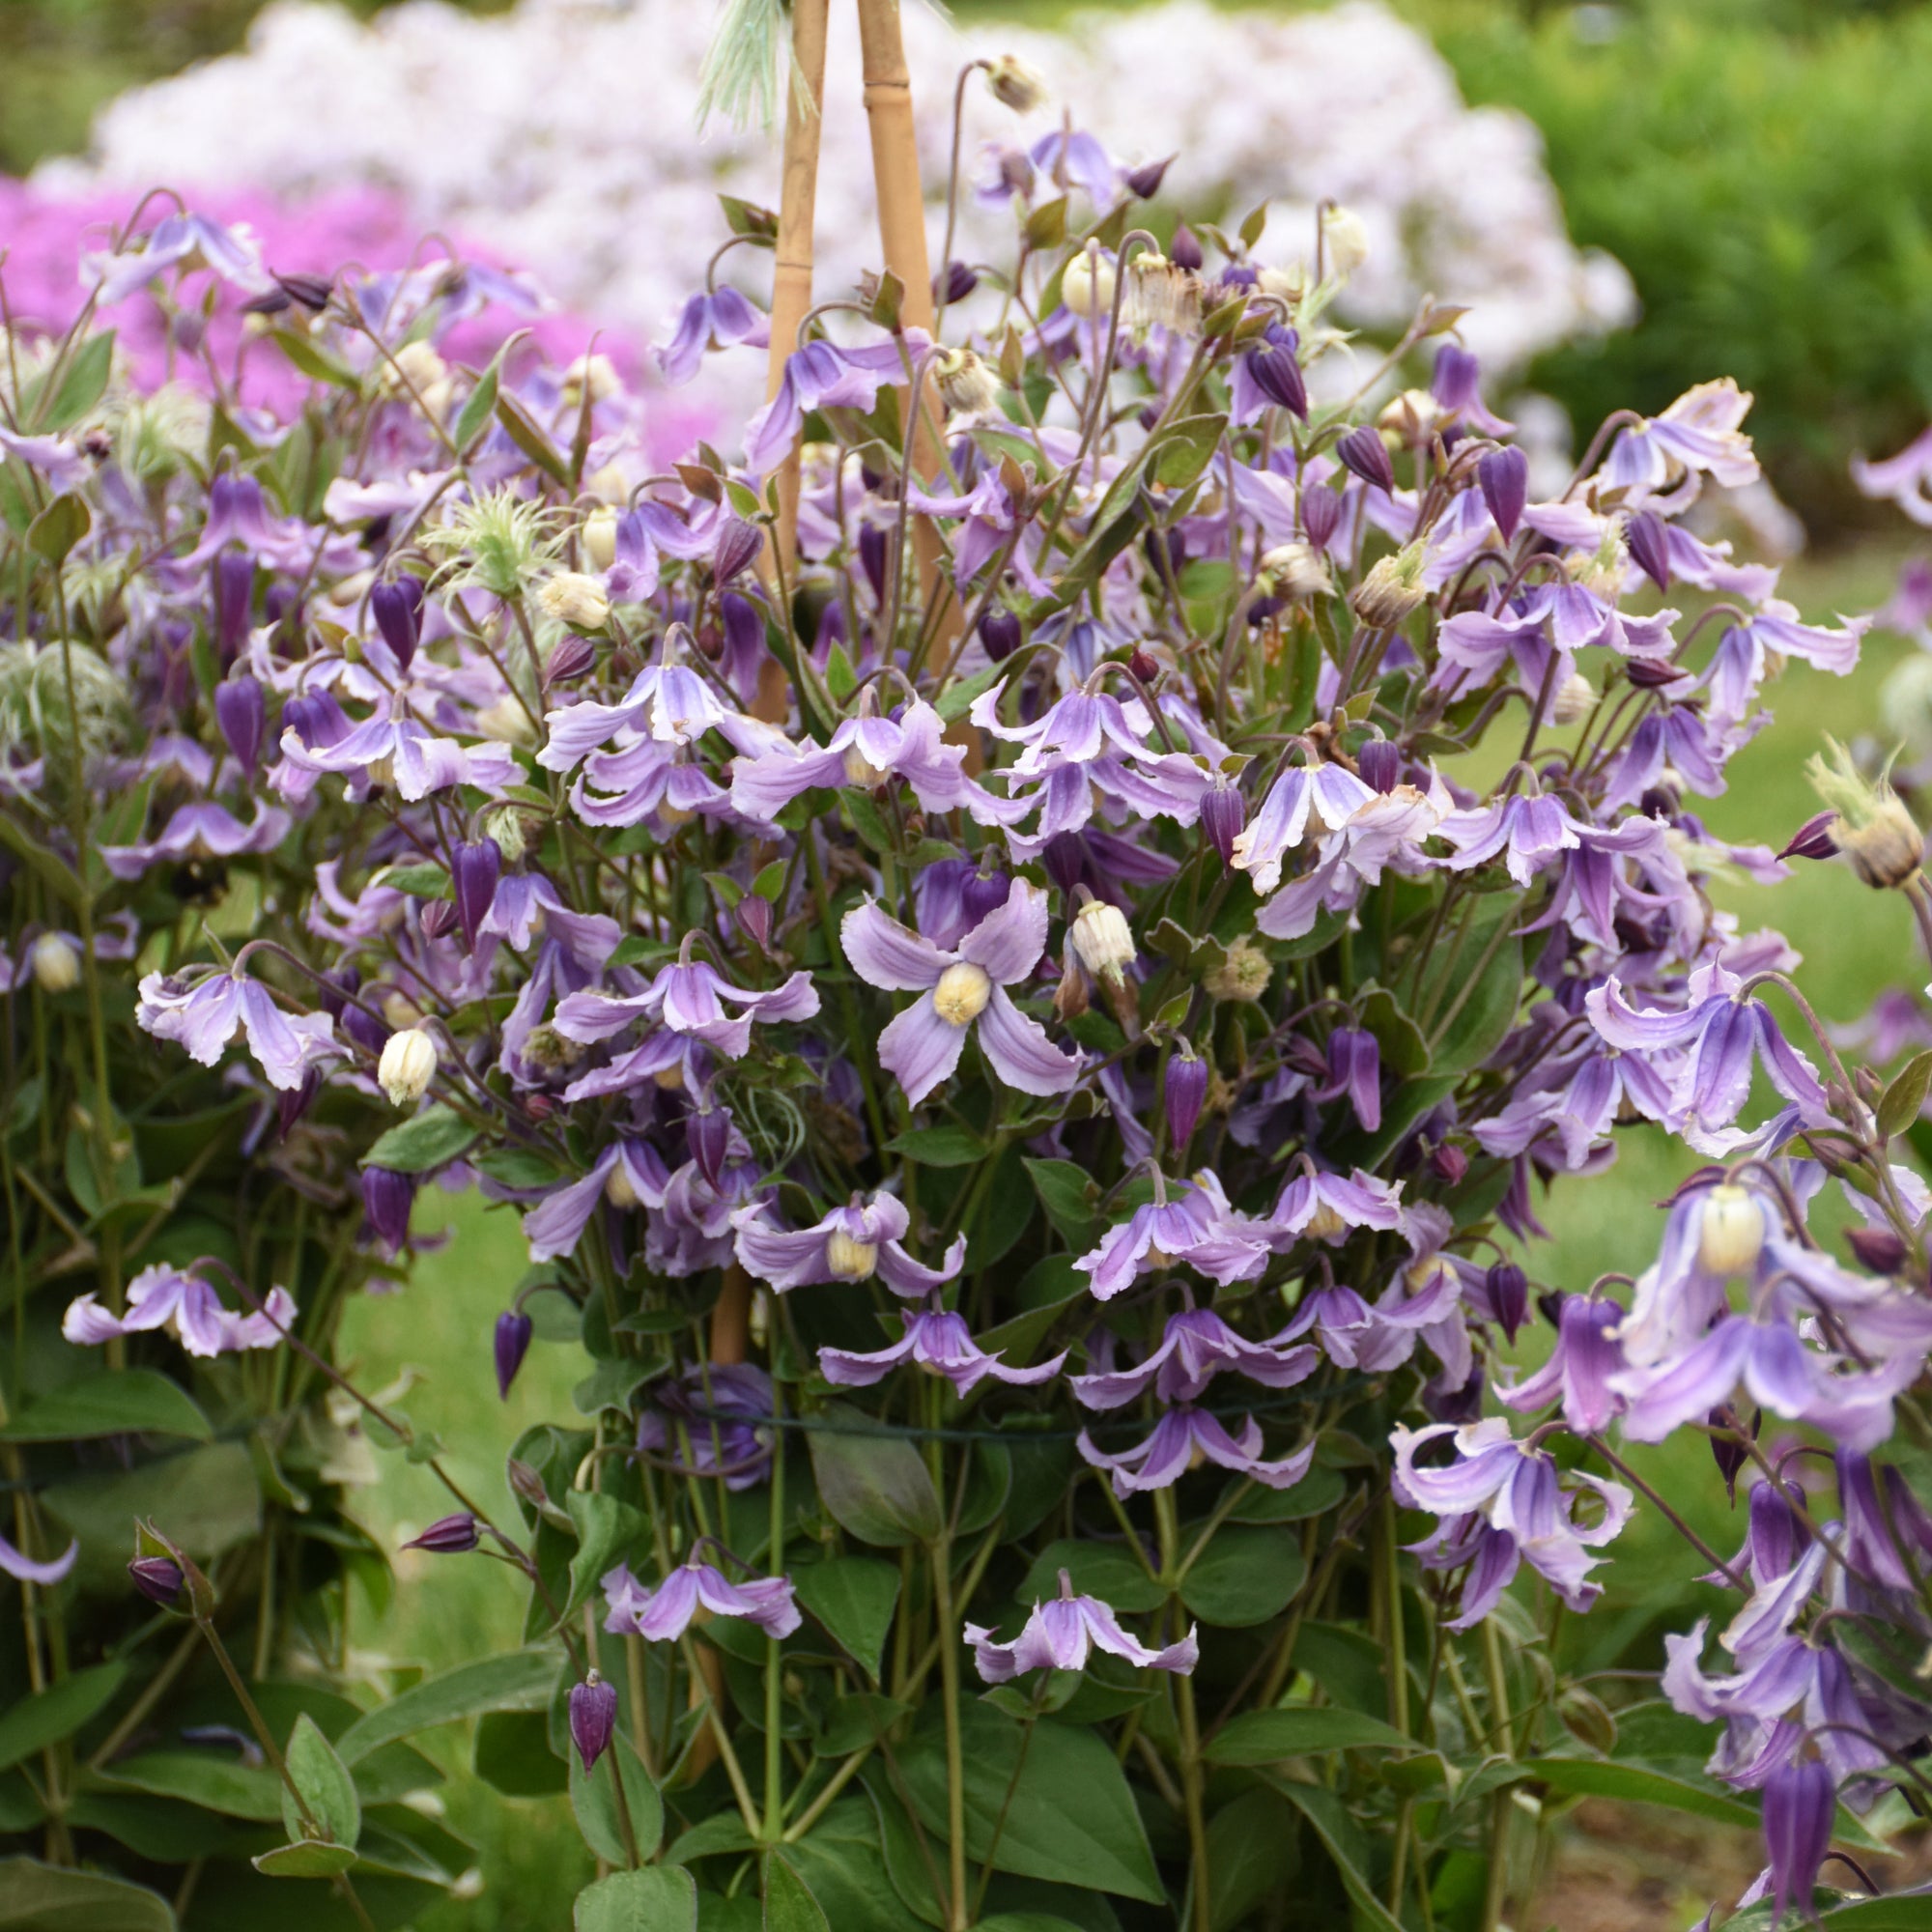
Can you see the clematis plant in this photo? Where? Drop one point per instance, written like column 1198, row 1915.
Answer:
column 1018, row 940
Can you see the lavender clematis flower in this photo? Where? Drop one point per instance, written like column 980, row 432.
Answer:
column 179, row 240
column 689, row 998
column 957, row 988
column 1304, row 798
column 1196, row 1348
column 203, row 831
column 854, row 1242
column 1061, row 1633
column 23, row 1569
column 725, row 1409
column 1198, row 1228
column 203, row 1018
column 941, row 1344
column 1580, row 1370
column 820, row 375
column 668, row 702
column 626, row 1172
column 165, row 1297
column 396, row 750
column 1527, row 832
column 713, row 321
column 1502, row 1503
column 1355, row 1068
column 1186, row 1436
column 1324, row 1206
column 1800, row 1801
column 1698, row 434
column 663, row 1614
column 1722, row 1031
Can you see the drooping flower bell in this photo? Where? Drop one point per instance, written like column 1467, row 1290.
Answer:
column 510, row 1342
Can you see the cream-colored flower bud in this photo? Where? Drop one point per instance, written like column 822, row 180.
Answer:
column 1161, row 294
column 618, row 1188
column 1574, row 699
column 407, row 1067
column 609, row 485
column 1087, row 286
column 418, row 368
column 1015, row 83
column 1392, row 590
column 55, row 961
column 1243, row 974
column 849, row 1259
column 600, row 537
column 1730, row 1235
column 1345, row 241
column 575, row 599
column 861, row 771
column 966, row 382
column 400, row 1011
column 1102, row 939
column 1295, row 571
column 1288, row 284
column 596, row 373
column 962, row 993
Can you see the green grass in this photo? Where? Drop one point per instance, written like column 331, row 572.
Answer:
column 451, row 1609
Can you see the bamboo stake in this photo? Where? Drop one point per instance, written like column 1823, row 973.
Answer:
column 791, row 298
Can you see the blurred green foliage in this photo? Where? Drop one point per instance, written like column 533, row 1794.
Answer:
column 1764, row 170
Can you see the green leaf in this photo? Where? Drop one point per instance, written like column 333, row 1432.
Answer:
column 312, row 361
column 1473, row 991
column 1905, row 1097
column 1096, row 1570
column 854, row 1598
column 947, row 1146
column 432, row 1139
column 513, row 1756
column 1071, row 1816
column 1266, row 1737
column 57, row 1712
column 45, row 1898
column 1066, row 1192
column 305, row 1858
column 1641, row 1783
column 1342, row 1838
column 530, row 440
column 843, row 1864
column 117, row 1402
column 55, row 531
column 593, row 1797
column 1244, row 1576
column 605, row 1529
column 215, row 1783
column 1185, row 448
column 424, row 881
column 658, row 1899
column 1253, row 1851
column 480, row 404
column 524, row 1680
column 789, row 1906
column 1317, row 1493
column 206, row 1499
column 957, row 699
column 873, row 1484
column 82, row 385
column 327, row 1791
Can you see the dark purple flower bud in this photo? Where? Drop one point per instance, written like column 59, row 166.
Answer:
column 234, row 598
column 293, row 1102
column 1145, row 180
column 1223, row 814
column 1379, row 763
column 708, row 1134
column 243, row 712
column 1355, row 1068
column 1321, row 514
column 316, row 719
column 754, row 914
column 478, row 868
column 594, row 1717
column 1775, row 1534
column 370, row 1032
column 1504, row 475
column 1363, row 453
column 397, row 608
column 274, row 303
column 1813, row 838
column 1508, row 1289
column 1185, row 251
column 1276, row 372
column 1800, row 1804
column 960, row 282
column 1449, row 1164
column 1728, row 1450
column 447, row 1536
column 1144, row 665
column 736, row 550
column 1458, row 1405
column 983, row 893
column 1879, row 1249
column 873, row 546
column 1000, row 633
column 438, row 918
column 1653, row 673
column 1455, row 378
column 571, row 655
column 1064, row 860
column 1184, row 1092
column 387, row 1198
column 310, row 291
column 1650, row 547
column 511, row 1343
column 158, row 1579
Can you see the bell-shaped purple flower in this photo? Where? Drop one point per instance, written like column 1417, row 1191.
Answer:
column 1503, row 477
column 1183, row 1093
column 477, row 867
column 1363, row 453
column 397, row 609
column 1355, row 1068
column 1580, row 1370
column 1223, row 814
column 1193, row 1227
column 511, row 1344
column 863, row 1239
column 387, row 1200
column 663, row 1614
column 1800, row 1804
column 242, row 712
column 1271, row 375
column 594, row 1717
column 1197, row 1347
column 1062, row 1633
column 1649, row 541
column 234, row 582
column 1186, row 1436
column 941, row 1344
column 1507, row 1287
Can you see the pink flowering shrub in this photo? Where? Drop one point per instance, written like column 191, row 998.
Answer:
column 1018, row 1024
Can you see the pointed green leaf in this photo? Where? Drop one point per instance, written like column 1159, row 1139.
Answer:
column 55, row 531
column 327, row 1791
column 658, row 1899
column 1266, row 1737
column 57, row 1712
column 874, row 1484
column 82, row 385
column 1906, row 1095
column 1342, row 1838
column 305, row 1858
column 432, row 1139
column 117, row 1402
column 522, row 1680
column 854, row 1598
column 593, row 1797
column 45, row 1898
column 789, row 1906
